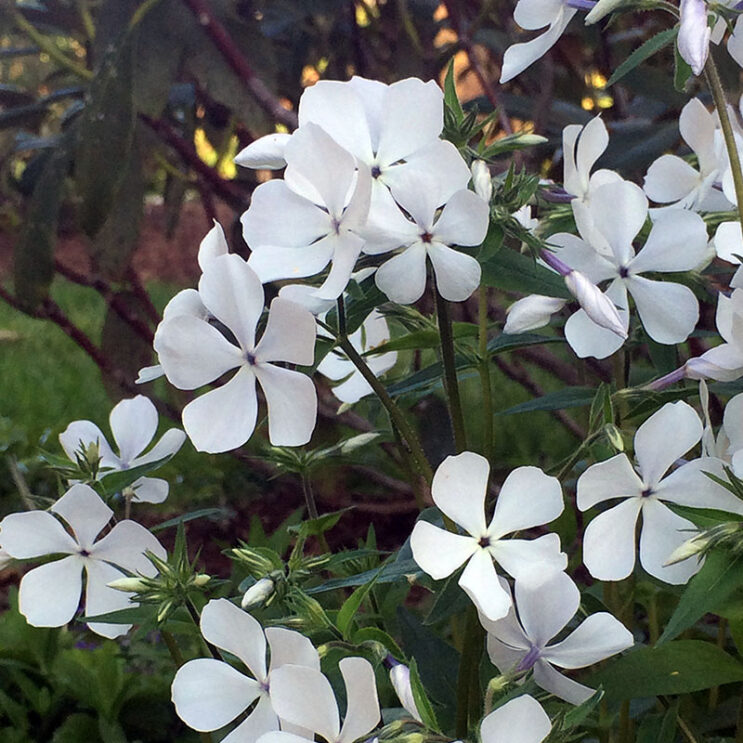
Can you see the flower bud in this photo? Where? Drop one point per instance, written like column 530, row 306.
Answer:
column 595, row 303
column 530, row 313
column 258, row 594
column 201, row 580
column 400, row 679
column 128, row 585
column 694, row 33
column 481, row 180
column 266, row 152
column 687, row 549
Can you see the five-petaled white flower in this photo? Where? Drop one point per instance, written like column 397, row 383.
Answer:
column 208, row 694
column 49, row 594
column 545, row 605
column 528, row 498
column 520, row 720
column 193, row 352
column 133, row 424
column 609, row 540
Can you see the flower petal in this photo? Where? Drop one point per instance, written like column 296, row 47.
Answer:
column 480, row 582
column 86, row 513
column 403, row 277
column 561, row 686
column 504, row 657
column 125, row 546
column 669, row 312
column 362, row 704
column 463, row 221
column 729, row 242
column 209, row 693
column 596, row 637
column 612, row 478
column 690, row 486
column 581, row 256
column 619, row 211
column 289, row 335
column 213, row 244
column 459, row 488
column 346, row 250
column 665, row 437
column 265, row 153
column 50, row 594
column 85, row 433
column 439, row 553
column 677, row 242
column 100, row 599
column 534, row 14
column 669, row 179
column 520, row 557
column 609, row 541
column 261, row 720
column 457, row 274
column 288, row 646
column 530, row 313
column 34, row 534
column 546, row 604
column 167, row 445
column 520, row 720
column 150, row 489
column 587, row 338
column 223, row 418
column 292, row 404
column 528, row 498
column 271, row 263
column 133, row 424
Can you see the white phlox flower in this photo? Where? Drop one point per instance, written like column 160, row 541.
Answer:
column 694, row 34
column 677, row 242
column 209, row 694
column 527, row 499
column 724, row 362
column 732, row 434
column 430, row 235
column 544, row 605
column 673, row 181
column 532, row 15
column 303, row 697
column 49, row 594
column 609, row 540
column 520, row 720
column 336, row 366
column 530, row 313
column 193, row 353
column 133, row 425
column 295, row 227
column 713, row 446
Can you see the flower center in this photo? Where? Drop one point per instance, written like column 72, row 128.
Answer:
column 84, row 553
column 250, row 358
column 623, row 272
column 426, row 237
column 376, row 171
column 484, row 542
column 646, row 493
column 528, row 661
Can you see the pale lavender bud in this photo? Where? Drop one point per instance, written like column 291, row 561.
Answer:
column 400, row 679
column 694, row 33
column 481, row 180
column 595, row 303
column 258, row 594
column 531, row 312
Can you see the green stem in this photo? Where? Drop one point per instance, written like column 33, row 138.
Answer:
column 312, row 512
column 718, row 95
column 468, row 691
column 451, row 385
column 484, row 369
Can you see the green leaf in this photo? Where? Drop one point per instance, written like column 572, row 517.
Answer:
column 315, row 527
column 115, row 482
column 450, row 93
column 421, row 339
column 720, row 576
column 512, row 271
column 678, row 667
column 643, row 52
column 681, row 71
column 422, row 702
column 569, row 397
column 577, row 715
column 508, row 342
column 131, row 615
column 376, row 635
column 192, row 516
column 390, row 573
column 351, row 606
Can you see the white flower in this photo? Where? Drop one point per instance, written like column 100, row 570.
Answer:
column 303, row 696
column 527, row 499
column 735, row 42
column 520, row 720
column 337, row 366
column 193, row 353
column 400, row 680
column 209, row 693
column 671, row 180
column 49, row 594
column 609, row 540
column 545, row 605
column 694, row 34
column 677, row 242
column 133, row 424
column 732, row 434
column 481, row 180
column 530, row 313
column 313, row 217
column 531, row 15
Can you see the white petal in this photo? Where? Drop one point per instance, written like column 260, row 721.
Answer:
column 278, row 216
column 612, row 478
column 50, row 594
column 531, row 312
column 292, row 404
column 665, row 437
column 609, row 541
column 504, row 657
column 459, row 488
column 362, row 710
column 261, row 720
column 234, row 295
column 528, row 498
column 289, row 335
column 271, row 263
column 480, row 582
column 519, row 56
column 303, row 696
column 346, row 250
column 150, row 489
column 698, row 128
column 265, row 153
column 561, row 686
column 521, row 557
column 288, row 646
column 372, row 95
column 677, row 242
column 306, row 297
column 588, row 339
column 439, row 553
column 208, row 693
column 223, row 418
column 592, row 143
column 230, row 628
column 463, row 221
column 729, row 242
column 133, row 424
column 85, row 433
column 669, row 312
column 596, row 637
column 194, row 353
column 213, row 245
column 690, row 486
column 735, row 42
column 732, row 422
column 86, row 513
column 149, row 374
column 125, row 546
column 403, row 277
column 581, row 256
column 186, row 302
column 100, row 599
column 353, row 389
column 662, row 533
column 33, row 534
column 669, row 178
column 457, row 274
column 521, row 720
column 546, row 604
column 167, row 445
column 534, row 14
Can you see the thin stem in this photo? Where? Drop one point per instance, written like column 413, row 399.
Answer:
column 484, row 369
column 468, row 692
column 718, row 95
column 450, row 372
column 309, row 496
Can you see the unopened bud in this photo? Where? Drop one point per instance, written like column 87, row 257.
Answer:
column 258, row 594
column 400, row 679
column 481, row 180
column 128, row 585
column 201, row 580
column 531, row 312
column 687, row 549
column 596, row 304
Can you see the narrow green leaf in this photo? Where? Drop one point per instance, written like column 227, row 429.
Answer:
column 131, row 615
column 115, row 482
column 681, row 71
column 643, row 52
column 390, row 573
column 374, row 634
column 192, row 516
column 351, row 605
column 512, row 271
column 570, row 397
column 450, row 93
column 422, row 702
